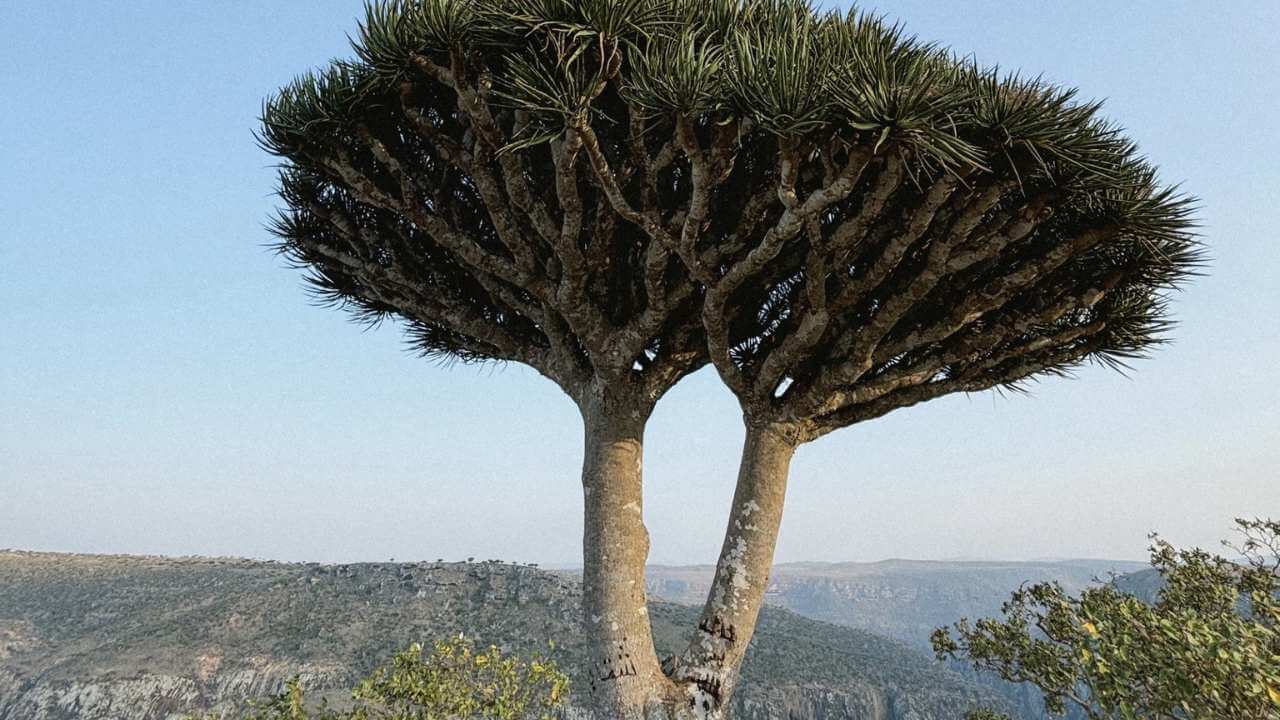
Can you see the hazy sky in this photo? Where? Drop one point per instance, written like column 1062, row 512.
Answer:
column 165, row 387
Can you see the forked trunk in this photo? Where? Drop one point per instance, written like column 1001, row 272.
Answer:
column 709, row 667
column 626, row 680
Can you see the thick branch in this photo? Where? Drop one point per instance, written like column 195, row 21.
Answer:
column 937, row 264
column 1003, row 289
column 981, row 376
column 715, row 653
column 715, row 315
column 394, row 290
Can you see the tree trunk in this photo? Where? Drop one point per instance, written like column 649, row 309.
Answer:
column 709, row 667
column 626, row 679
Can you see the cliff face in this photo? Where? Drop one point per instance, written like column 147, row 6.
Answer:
column 146, row 696
column 107, row 638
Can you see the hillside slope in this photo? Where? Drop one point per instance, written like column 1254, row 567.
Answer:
column 106, row 637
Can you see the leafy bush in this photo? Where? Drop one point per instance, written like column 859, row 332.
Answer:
column 1206, row 648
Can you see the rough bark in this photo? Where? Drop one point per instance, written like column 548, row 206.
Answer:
column 708, row 670
column 627, row 681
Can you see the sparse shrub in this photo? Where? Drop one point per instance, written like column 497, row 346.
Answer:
column 290, row 705
column 457, row 680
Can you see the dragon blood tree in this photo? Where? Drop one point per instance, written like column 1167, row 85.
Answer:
column 842, row 220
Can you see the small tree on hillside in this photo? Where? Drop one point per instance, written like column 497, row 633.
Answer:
column 615, row 192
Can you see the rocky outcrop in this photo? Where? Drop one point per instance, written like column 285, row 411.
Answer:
column 152, row 696
column 816, row 702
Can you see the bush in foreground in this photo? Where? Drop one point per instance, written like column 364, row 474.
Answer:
column 1206, row 648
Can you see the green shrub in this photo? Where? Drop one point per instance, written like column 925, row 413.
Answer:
column 1206, row 646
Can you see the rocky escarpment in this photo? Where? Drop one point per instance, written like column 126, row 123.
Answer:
column 107, row 638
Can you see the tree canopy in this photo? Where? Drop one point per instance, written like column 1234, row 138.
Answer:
column 861, row 220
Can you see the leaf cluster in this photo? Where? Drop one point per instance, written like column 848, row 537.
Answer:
column 791, row 68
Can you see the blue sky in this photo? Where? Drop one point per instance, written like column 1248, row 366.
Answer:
column 165, row 387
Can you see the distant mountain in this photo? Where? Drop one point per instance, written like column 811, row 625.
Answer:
column 1144, row 584
column 905, row 599
column 129, row 638
column 901, row 599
